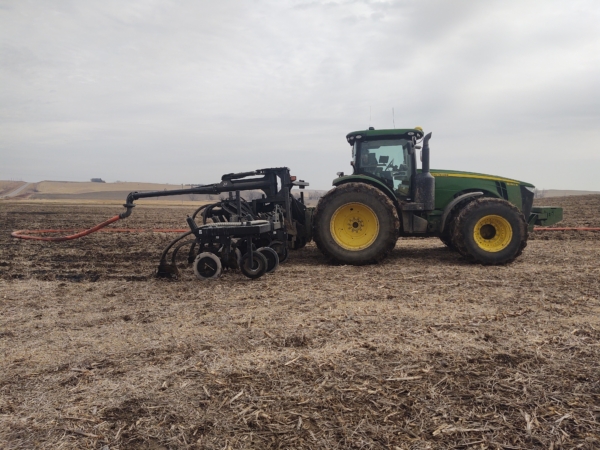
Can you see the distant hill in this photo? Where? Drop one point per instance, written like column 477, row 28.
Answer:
column 6, row 187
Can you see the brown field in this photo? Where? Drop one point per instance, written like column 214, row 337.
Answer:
column 423, row 351
column 543, row 193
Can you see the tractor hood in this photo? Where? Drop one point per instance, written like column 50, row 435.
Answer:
column 477, row 176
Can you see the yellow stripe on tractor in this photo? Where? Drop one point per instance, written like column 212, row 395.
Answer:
column 479, row 177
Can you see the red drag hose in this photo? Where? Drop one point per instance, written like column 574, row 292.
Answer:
column 145, row 230
column 27, row 234
column 19, row 233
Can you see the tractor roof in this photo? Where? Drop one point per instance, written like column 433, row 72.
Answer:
column 394, row 133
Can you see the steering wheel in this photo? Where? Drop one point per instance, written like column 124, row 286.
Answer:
column 389, row 165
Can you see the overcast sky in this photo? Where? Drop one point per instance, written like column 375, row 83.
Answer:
column 184, row 91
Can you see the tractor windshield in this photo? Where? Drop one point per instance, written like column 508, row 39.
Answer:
column 386, row 159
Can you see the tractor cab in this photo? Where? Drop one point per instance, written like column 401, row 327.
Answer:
column 387, row 155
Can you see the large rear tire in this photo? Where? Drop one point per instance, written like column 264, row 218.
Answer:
column 490, row 231
column 446, row 236
column 356, row 224
column 449, row 232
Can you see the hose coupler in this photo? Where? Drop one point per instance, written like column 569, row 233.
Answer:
column 127, row 213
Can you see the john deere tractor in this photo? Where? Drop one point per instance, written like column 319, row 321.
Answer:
column 486, row 218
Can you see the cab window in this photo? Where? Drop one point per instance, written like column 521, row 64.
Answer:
column 389, row 161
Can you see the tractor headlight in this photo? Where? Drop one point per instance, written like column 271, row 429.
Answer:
column 530, row 189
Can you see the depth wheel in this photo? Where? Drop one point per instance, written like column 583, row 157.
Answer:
column 272, row 258
column 281, row 249
column 256, row 267
column 207, row 266
column 490, row 231
column 357, row 224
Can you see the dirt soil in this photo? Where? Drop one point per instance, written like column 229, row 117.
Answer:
column 422, row 351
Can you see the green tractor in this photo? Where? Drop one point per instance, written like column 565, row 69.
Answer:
column 485, row 218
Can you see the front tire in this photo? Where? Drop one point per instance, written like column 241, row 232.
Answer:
column 357, row 224
column 490, row 231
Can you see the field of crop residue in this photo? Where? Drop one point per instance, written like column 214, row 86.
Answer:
column 423, row 351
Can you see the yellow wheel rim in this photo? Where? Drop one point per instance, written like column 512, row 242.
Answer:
column 492, row 233
column 354, row 226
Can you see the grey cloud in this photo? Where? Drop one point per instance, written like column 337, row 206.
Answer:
column 184, row 91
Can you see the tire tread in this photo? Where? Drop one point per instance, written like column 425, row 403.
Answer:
column 459, row 236
column 352, row 188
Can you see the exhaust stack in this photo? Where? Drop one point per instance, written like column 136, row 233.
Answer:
column 424, row 181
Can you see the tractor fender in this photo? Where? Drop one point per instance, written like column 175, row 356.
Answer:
column 452, row 204
column 367, row 180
